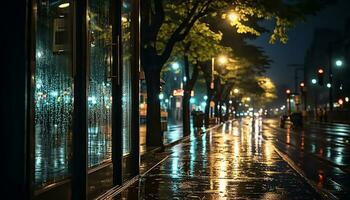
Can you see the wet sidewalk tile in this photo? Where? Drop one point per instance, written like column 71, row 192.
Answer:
column 229, row 162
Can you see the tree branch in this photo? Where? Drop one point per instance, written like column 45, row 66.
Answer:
column 157, row 18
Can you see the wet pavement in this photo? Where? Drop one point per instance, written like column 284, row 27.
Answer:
column 232, row 161
column 173, row 134
column 320, row 150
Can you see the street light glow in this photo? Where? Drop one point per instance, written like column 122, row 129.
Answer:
column 222, row 59
column 329, row 85
column 236, row 91
column 346, row 99
column 233, row 17
column 313, row 81
column 64, row 5
column 339, row 63
column 175, row 66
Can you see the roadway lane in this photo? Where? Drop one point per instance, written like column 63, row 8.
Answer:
column 320, row 151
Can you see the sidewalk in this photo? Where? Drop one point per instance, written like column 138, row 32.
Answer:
column 172, row 135
column 228, row 162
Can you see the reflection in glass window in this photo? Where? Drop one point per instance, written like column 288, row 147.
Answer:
column 52, row 92
column 100, row 85
column 126, row 86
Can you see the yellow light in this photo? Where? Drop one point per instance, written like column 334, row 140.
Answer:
column 232, row 16
column 236, row 91
column 346, row 99
column 124, row 19
column 64, row 5
column 248, row 98
column 222, row 59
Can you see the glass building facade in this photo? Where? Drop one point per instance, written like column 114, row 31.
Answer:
column 78, row 98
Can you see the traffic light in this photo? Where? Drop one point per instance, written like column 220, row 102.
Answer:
column 320, row 75
column 302, row 87
column 288, row 91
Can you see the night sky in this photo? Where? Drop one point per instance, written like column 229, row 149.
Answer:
column 300, row 39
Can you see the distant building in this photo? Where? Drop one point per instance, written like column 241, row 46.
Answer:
column 329, row 48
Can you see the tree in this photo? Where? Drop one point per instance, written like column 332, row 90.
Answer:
column 199, row 46
column 177, row 17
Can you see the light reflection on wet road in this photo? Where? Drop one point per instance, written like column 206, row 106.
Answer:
column 321, row 151
column 232, row 161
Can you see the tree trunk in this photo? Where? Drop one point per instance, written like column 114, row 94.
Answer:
column 228, row 106
column 186, row 113
column 153, row 135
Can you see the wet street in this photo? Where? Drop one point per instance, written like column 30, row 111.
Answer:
column 321, row 151
column 231, row 161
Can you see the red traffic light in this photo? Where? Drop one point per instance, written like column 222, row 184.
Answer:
column 320, row 75
column 288, row 91
column 302, row 84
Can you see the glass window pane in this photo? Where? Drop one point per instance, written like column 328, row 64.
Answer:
column 53, row 92
column 126, row 86
column 100, row 85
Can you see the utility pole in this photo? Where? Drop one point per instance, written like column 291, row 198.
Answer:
column 330, row 52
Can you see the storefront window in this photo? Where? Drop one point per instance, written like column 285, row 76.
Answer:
column 99, row 83
column 52, row 92
column 126, row 86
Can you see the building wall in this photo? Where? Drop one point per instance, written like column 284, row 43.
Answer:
column 66, row 134
column 327, row 47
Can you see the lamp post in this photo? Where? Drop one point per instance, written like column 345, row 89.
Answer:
column 330, row 78
column 222, row 60
column 338, row 63
column 288, row 100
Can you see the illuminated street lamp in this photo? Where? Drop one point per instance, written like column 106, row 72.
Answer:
column 288, row 100
column 339, row 63
column 64, row 5
column 233, row 17
column 222, row 60
column 236, row 91
column 175, row 66
column 313, row 81
column 329, row 85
